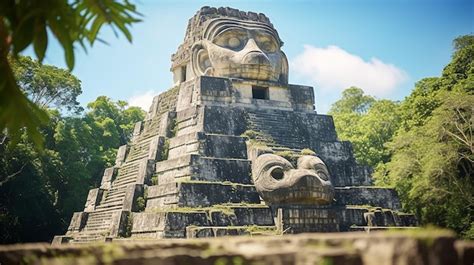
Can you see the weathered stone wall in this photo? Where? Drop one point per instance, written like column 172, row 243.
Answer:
column 416, row 247
column 374, row 196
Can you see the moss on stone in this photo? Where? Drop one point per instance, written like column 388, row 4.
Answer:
column 261, row 230
column 140, row 204
column 164, row 150
column 154, row 180
column 308, row 152
column 289, row 155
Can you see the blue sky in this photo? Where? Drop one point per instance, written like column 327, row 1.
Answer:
column 382, row 46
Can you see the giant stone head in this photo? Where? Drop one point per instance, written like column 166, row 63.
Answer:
column 226, row 42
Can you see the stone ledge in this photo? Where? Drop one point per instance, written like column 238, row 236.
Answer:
column 417, row 247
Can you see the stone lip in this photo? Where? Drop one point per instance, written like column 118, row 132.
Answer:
column 415, row 246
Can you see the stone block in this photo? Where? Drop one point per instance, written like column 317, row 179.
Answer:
column 223, row 146
column 189, row 120
column 350, row 216
column 162, row 196
column 93, row 199
column 132, row 192
column 148, row 224
column 203, row 194
column 119, row 222
column 109, row 175
column 137, row 130
column 302, row 97
column 145, row 170
column 167, row 121
column 78, row 221
column 194, row 167
column 59, row 240
column 261, row 216
column 121, row 154
column 154, row 151
column 373, row 196
column 301, row 219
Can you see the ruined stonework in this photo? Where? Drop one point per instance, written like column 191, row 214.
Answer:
column 233, row 149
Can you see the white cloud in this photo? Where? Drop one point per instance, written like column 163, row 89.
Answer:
column 334, row 69
column 143, row 100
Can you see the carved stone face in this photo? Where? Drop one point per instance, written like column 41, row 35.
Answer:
column 278, row 182
column 240, row 49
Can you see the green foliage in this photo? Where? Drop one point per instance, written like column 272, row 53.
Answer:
column 432, row 156
column 25, row 23
column 367, row 123
column 39, row 191
column 423, row 146
column 431, row 165
column 47, row 85
column 140, row 204
column 113, row 122
column 353, row 101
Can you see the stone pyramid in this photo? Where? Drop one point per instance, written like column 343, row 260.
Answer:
column 233, row 149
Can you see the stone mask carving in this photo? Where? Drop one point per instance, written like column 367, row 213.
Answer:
column 278, row 182
column 238, row 49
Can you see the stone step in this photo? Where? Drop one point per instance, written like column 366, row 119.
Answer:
column 128, row 168
column 113, row 200
column 95, row 215
column 116, row 195
column 110, row 205
column 139, row 149
column 91, row 236
column 114, row 191
column 128, row 179
column 124, row 184
column 97, row 226
column 108, row 209
column 98, row 221
column 99, row 216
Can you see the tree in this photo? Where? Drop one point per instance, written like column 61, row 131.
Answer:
column 50, row 185
column 113, row 119
column 27, row 22
column 432, row 153
column 46, row 85
column 353, row 101
column 367, row 123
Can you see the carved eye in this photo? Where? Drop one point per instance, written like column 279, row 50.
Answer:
column 267, row 46
column 322, row 174
column 316, row 164
column 234, row 43
column 232, row 39
column 267, row 43
column 277, row 173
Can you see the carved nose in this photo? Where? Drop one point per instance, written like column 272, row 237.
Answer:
column 254, row 54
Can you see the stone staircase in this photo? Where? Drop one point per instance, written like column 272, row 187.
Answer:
column 275, row 124
column 99, row 221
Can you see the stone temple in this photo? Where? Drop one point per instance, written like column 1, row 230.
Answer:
column 233, row 149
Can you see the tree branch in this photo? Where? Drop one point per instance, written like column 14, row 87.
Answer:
column 11, row 176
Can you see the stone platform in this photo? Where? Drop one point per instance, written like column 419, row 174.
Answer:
column 414, row 247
